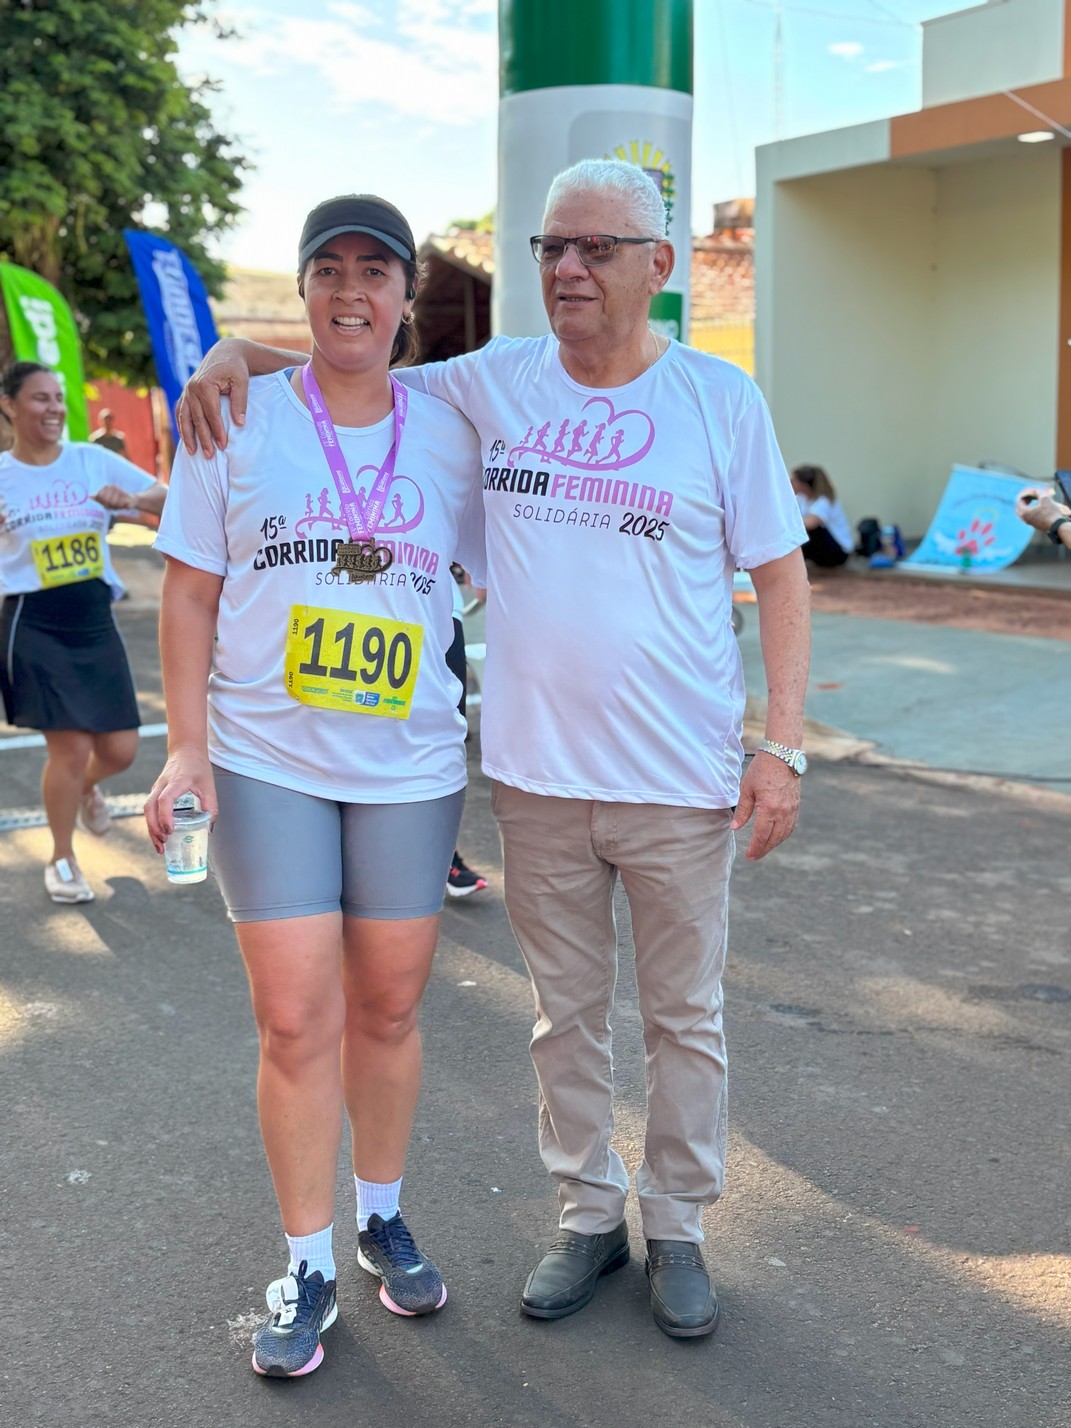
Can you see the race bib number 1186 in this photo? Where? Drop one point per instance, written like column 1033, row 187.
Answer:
column 66, row 558
column 357, row 663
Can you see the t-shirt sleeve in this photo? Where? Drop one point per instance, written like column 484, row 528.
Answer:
column 471, row 548
column 762, row 519
column 822, row 507
column 115, row 470
column 450, row 381
column 193, row 525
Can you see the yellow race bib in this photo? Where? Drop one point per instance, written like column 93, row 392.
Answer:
column 67, row 558
column 358, row 663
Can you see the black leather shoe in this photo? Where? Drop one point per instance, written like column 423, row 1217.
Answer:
column 683, row 1300
column 565, row 1278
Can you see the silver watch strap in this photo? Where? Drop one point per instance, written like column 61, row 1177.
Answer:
column 781, row 751
column 784, row 753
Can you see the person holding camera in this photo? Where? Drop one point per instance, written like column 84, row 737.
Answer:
column 1037, row 508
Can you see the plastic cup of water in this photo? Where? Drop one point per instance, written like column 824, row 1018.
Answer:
column 186, row 849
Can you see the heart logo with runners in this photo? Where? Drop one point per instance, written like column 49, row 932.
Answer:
column 602, row 439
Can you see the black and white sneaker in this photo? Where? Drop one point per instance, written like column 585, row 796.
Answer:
column 411, row 1283
column 302, row 1306
column 461, row 881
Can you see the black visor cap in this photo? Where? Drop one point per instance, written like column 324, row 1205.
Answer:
column 356, row 213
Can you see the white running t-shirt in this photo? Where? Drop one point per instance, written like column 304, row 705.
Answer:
column 264, row 514
column 615, row 518
column 53, row 532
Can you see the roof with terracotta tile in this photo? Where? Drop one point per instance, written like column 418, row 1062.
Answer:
column 465, row 248
column 723, row 277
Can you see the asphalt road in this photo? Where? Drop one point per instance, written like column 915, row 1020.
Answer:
column 892, row 1248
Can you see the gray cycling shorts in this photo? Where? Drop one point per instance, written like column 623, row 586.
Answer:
column 278, row 853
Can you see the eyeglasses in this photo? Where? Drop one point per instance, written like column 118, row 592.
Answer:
column 592, row 249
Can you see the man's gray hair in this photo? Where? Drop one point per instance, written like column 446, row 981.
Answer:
column 616, row 178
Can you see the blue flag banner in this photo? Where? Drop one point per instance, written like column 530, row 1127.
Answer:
column 181, row 328
column 975, row 526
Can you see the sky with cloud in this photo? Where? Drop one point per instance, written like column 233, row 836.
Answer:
column 328, row 96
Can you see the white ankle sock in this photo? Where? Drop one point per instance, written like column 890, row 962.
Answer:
column 373, row 1199
column 315, row 1250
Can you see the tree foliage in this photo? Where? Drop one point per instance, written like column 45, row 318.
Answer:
column 100, row 133
column 486, row 224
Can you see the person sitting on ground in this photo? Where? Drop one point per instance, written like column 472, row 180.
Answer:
column 829, row 536
column 1037, row 508
column 107, row 435
column 63, row 667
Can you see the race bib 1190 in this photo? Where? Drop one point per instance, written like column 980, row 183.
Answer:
column 357, row 663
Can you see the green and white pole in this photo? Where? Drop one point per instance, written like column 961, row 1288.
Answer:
column 602, row 79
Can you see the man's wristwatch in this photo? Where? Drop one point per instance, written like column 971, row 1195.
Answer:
column 1054, row 530
column 795, row 758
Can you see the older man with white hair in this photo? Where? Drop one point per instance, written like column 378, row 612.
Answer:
column 625, row 477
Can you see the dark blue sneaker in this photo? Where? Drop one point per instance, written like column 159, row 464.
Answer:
column 302, row 1306
column 461, row 880
column 411, row 1283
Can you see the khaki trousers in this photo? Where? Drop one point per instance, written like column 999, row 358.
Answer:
column 562, row 858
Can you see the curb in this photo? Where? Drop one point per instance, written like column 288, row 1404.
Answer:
column 830, row 745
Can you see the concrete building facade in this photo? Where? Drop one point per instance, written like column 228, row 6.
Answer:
column 913, row 275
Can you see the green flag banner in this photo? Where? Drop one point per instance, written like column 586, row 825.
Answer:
column 43, row 330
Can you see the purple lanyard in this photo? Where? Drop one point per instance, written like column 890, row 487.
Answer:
column 362, row 522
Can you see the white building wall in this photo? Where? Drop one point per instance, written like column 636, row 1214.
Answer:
column 907, row 319
column 845, row 302
column 1002, row 45
column 996, row 330
column 852, row 147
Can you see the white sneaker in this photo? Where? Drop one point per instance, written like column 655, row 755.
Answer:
column 93, row 813
column 64, row 882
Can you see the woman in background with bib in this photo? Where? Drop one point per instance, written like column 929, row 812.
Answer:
column 306, row 615
column 63, row 666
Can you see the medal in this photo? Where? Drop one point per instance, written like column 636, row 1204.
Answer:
column 361, row 560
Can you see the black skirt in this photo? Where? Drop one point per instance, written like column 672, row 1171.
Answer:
column 63, row 664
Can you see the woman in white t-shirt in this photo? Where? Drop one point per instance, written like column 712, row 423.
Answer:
column 306, row 615
column 63, row 666
column 829, row 536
